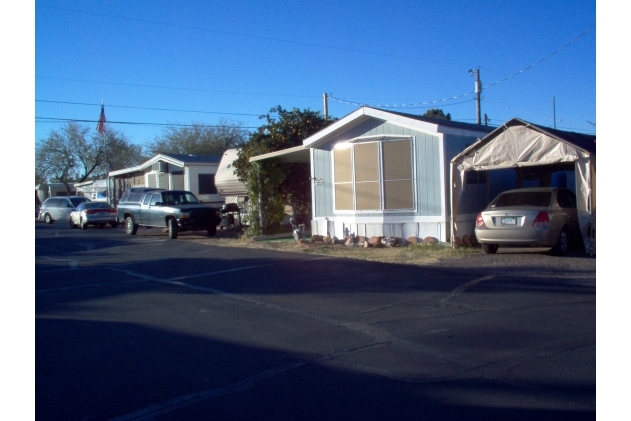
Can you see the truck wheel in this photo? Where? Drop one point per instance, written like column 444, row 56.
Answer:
column 130, row 227
column 212, row 231
column 172, row 229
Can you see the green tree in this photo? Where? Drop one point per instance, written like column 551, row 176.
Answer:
column 72, row 154
column 436, row 113
column 278, row 182
column 199, row 139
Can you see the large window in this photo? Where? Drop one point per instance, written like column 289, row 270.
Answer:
column 374, row 175
column 207, row 184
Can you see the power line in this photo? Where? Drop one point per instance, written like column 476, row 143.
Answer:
column 543, row 59
column 420, row 105
column 175, row 88
column 75, row 120
column 410, row 106
column 144, row 108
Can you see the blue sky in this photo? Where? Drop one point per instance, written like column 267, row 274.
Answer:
column 155, row 63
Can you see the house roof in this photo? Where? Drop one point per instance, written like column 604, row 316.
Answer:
column 180, row 160
column 415, row 122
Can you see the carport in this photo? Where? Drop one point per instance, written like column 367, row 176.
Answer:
column 525, row 146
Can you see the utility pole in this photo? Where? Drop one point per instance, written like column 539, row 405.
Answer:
column 478, row 92
column 325, row 97
column 554, row 112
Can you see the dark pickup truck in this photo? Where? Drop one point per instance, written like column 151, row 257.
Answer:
column 174, row 210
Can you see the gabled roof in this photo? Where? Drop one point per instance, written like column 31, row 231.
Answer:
column 584, row 142
column 362, row 114
column 180, row 160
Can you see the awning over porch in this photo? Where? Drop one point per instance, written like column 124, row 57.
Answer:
column 298, row 154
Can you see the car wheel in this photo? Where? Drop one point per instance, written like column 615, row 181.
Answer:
column 114, row 224
column 560, row 248
column 490, row 248
column 172, row 229
column 130, row 227
column 48, row 219
column 83, row 225
column 212, row 231
column 72, row 224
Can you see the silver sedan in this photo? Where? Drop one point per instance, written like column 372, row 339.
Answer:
column 540, row 217
column 93, row 213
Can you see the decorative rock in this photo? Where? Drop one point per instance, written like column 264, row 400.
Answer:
column 466, row 240
column 412, row 240
column 374, row 240
column 327, row 240
column 361, row 239
column 316, row 238
column 430, row 240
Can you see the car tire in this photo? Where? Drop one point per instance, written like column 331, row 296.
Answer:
column 114, row 224
column 560, row 248
column 72, row 224
column 172, row 229
column 130, row 227
column 83, row 225
column 211, row 231
column 48, row 219
column 490, row 248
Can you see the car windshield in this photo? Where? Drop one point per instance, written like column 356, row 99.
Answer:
column 530, row 198
column 180, row 198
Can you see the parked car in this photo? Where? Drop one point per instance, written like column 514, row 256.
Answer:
column 93, row 213
column 540, row 217
column 59, row 208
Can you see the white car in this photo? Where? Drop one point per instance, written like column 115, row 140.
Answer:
column 93, row 213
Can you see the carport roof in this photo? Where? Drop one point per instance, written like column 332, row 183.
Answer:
column 582, row 141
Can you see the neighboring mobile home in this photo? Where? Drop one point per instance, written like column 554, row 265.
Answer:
column 382, row 173
column 173, row 172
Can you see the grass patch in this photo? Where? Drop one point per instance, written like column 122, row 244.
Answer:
column 411, row 255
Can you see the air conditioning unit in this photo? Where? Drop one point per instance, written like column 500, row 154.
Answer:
column 160, row 166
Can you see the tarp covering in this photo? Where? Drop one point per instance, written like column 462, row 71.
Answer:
column 522, row 144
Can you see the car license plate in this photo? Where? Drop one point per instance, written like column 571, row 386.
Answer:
column 509, row 221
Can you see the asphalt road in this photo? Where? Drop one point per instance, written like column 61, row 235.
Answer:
column 146, row 328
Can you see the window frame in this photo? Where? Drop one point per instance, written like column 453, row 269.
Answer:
column 380, row 140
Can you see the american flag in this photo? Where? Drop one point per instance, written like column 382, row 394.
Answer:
column 101, row 126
